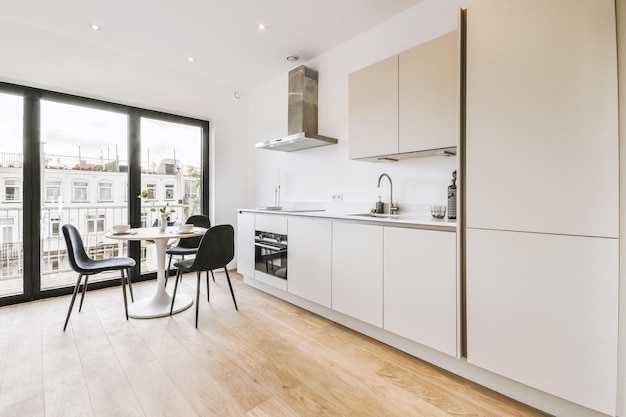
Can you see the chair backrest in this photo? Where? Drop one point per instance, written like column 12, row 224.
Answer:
column 75, row 249
column 198, row 220
column 217, row 248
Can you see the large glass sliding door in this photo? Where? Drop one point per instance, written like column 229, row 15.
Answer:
column 67, row 159
column 171, row 173
column 84, row 182
column 11, row 196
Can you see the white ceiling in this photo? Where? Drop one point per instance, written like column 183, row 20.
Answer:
column 221, row 35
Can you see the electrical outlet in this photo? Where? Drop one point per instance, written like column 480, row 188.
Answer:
column 337, row 197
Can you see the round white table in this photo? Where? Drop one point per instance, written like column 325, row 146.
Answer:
column 158, row 305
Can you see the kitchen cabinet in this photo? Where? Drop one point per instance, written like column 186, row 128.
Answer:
column 310, row 259
column 357, row 271
column 420, row 287
column 542, row 195
column 429, row 95
column 542, row 310
column 542, row 138
column 245, row 244
column 373, row 109
column 406, row 104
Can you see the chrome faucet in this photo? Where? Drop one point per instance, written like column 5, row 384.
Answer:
column 393, row 208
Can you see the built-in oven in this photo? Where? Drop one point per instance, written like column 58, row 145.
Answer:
column 270, row 253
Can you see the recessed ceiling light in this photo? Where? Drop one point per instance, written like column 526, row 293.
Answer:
column 191, row 59
column 293, row 58
column 95, row 27
column 262, row 27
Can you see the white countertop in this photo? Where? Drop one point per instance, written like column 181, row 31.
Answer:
column 400, row 220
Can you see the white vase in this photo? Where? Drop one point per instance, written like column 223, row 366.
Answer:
column 162, row 223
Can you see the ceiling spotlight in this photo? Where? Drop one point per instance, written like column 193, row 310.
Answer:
column 191, row 59
column 95, row 27
column 236, row 95
column 293, row 58
column 262, row 27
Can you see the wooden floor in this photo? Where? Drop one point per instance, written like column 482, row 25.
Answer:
column 270, row 359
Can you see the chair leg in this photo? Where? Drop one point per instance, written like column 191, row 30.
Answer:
column 124, row 292
column 197, row 297
column 167, row 271
column 212, row 275
column 69, row 311
column 178, row 277
column 231, row 288
column 130, row 285
column 207, row 286
column 82, row 297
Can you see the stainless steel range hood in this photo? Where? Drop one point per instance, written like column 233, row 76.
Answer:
column 302, row 116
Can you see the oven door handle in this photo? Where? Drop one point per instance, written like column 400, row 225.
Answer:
column 274, row 248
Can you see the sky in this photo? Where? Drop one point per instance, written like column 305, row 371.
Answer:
column 65, row 127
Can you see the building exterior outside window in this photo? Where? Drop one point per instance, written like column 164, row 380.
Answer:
column 169, row 191
column 55, row 225
column 151, row 191
column 6, row 226
column 80, row 191
column 12, row 189
column 95, row 223
column 105, row 191
column 53, row 190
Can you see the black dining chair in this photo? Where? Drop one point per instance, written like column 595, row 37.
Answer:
column 216, row 250
column 188, row 245
column 85, row 266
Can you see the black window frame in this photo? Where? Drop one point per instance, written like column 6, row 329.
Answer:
column 32, row 185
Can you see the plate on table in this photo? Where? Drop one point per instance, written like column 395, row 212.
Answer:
column 129, row 232
column 184, row 232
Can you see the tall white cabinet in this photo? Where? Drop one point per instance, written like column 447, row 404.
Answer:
column 542, row 144
column 542, row 195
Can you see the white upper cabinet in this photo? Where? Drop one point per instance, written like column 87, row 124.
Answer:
column 373, row 109
column 429, row 95
column 406, row 104
column 542, row 130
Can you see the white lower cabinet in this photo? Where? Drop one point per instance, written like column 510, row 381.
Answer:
column 245, row 244
column 357, row 271
column 420, row 287
column 542, row 310
column 310, row 243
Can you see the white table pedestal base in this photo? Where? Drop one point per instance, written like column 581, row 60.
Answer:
column 157, row 306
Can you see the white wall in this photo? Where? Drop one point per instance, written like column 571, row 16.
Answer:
column 310, row 177
column 34, row 58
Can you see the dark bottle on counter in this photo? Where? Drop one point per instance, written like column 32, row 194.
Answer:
column 452, row 197
column 380, row 206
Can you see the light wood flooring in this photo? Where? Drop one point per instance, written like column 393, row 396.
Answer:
column 270, row 359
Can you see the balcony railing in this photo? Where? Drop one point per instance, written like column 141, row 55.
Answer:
column 92, row 221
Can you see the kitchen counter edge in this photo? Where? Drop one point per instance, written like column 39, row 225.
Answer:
column 406, row 221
